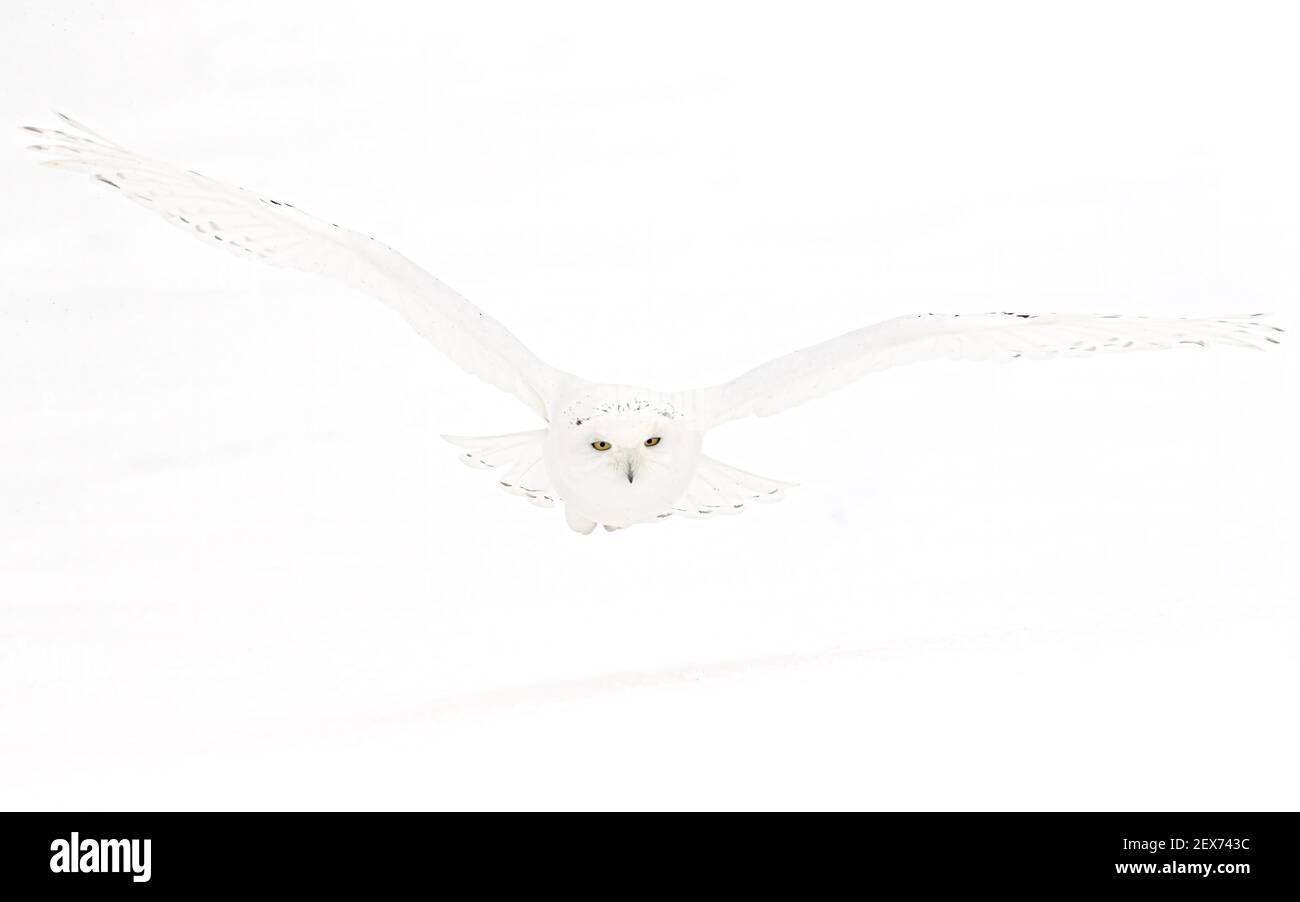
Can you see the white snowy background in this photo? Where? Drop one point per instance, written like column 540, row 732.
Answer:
column 239, row 568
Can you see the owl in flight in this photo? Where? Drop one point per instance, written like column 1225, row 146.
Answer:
column 613, row 455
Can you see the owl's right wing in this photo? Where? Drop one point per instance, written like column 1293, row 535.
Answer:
column 815, row 371
column 257, row 228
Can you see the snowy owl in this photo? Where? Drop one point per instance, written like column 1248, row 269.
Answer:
column 614, row 455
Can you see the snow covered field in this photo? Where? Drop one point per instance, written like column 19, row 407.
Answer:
column 240, row 569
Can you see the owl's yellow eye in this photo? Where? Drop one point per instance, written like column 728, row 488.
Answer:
column 651, row 442
column 601, row 445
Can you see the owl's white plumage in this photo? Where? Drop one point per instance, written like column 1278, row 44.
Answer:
column 612, row 455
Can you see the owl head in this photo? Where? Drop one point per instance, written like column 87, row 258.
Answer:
column 622, row 456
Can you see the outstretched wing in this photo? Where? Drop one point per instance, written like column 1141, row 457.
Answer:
column 278, row 233
column 815, row 371
column 720, row 490
column 517, row 457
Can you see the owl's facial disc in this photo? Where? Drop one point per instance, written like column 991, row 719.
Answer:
column 622, row 458
column 628, row 451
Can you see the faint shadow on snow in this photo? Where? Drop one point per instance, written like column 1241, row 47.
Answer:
column 492, row 703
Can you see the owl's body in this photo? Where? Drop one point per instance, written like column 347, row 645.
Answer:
column 619, row 455
column 613, row 455
column 616, row 456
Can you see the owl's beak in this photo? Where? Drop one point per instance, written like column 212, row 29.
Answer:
column 631, row 472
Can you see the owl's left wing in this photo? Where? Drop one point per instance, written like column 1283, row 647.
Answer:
column 815, row 371
column 277, row 233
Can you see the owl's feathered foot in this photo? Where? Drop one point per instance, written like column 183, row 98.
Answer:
column 577, row 522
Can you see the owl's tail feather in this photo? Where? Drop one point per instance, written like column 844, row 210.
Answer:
column 719, row 489
column 518, row 456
